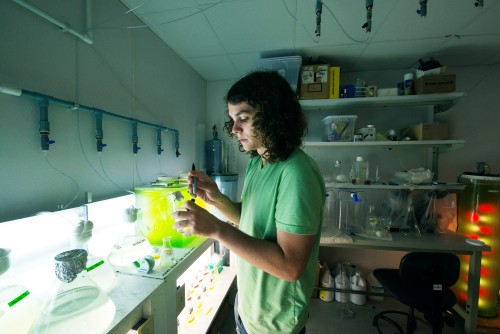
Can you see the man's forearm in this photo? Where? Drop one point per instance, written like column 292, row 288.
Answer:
column 231, row 210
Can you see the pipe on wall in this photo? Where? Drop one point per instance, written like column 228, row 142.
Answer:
column 72, row 105
column 65, row 27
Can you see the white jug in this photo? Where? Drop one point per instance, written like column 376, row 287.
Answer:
column 326, row 282
column 358, row 284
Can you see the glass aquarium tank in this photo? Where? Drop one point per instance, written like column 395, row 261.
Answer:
column 156, row 204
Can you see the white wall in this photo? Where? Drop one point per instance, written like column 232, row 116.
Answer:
column 129, row 72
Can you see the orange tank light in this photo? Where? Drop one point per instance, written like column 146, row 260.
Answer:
column 486, row 207
column 474, row 217
column 484, row 271
column 485, row 230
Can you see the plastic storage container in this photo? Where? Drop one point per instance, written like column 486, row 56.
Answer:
column 154, row 218
column 288, row 67
column 351, row 210
column 361, row 170
column 339, row 128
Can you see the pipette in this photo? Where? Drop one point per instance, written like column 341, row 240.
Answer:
column 193, row 168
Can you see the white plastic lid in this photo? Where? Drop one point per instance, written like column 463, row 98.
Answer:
column 409, row 76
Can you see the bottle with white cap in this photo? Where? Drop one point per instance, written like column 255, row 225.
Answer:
column 326, row 282
column 408, row 84
column 358, row 284
column 360, row 170
column 338, row 173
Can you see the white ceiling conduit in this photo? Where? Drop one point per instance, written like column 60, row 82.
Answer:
column 65, row 27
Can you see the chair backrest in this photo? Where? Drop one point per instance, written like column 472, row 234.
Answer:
column 426, row 268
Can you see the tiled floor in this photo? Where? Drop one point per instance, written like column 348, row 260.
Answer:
column 324, row 319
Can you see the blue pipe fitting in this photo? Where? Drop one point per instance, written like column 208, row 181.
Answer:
column 44, row 101
column 158, row 141
column 135, row 138
column 99, row 133
column 44, row 125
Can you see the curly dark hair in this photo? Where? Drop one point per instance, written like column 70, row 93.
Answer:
column 279, row 120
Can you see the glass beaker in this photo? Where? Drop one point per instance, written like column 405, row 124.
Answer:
column 98, row 269
column 167, row 258
column 77, row 304
column 412, row 223
column 372, row 221
column 18, row 307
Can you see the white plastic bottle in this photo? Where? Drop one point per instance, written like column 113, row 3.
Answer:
column 358, row 284
column 338, row 173
column 342, row 283
column 326, row 282
column 361, row 170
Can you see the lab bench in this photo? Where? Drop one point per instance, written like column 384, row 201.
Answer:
column 138, row 296
column 441, row 242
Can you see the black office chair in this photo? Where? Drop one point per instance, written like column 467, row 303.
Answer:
column 422, row 282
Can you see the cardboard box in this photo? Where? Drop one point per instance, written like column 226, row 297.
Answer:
column 429, row 131
column 334, row 78
column 435, row 84
column 314, row 82
column 434, row 71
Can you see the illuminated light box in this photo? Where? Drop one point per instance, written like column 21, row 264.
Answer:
column 479, row 218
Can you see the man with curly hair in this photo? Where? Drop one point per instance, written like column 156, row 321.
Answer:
column 276, row 226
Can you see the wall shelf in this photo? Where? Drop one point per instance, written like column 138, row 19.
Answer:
column 446, row 144
column 438, row 186
column 441, row 102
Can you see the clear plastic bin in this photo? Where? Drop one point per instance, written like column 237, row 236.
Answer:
column 339, row 128
column 288, row 67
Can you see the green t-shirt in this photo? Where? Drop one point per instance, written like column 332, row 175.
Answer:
column 287, row 196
